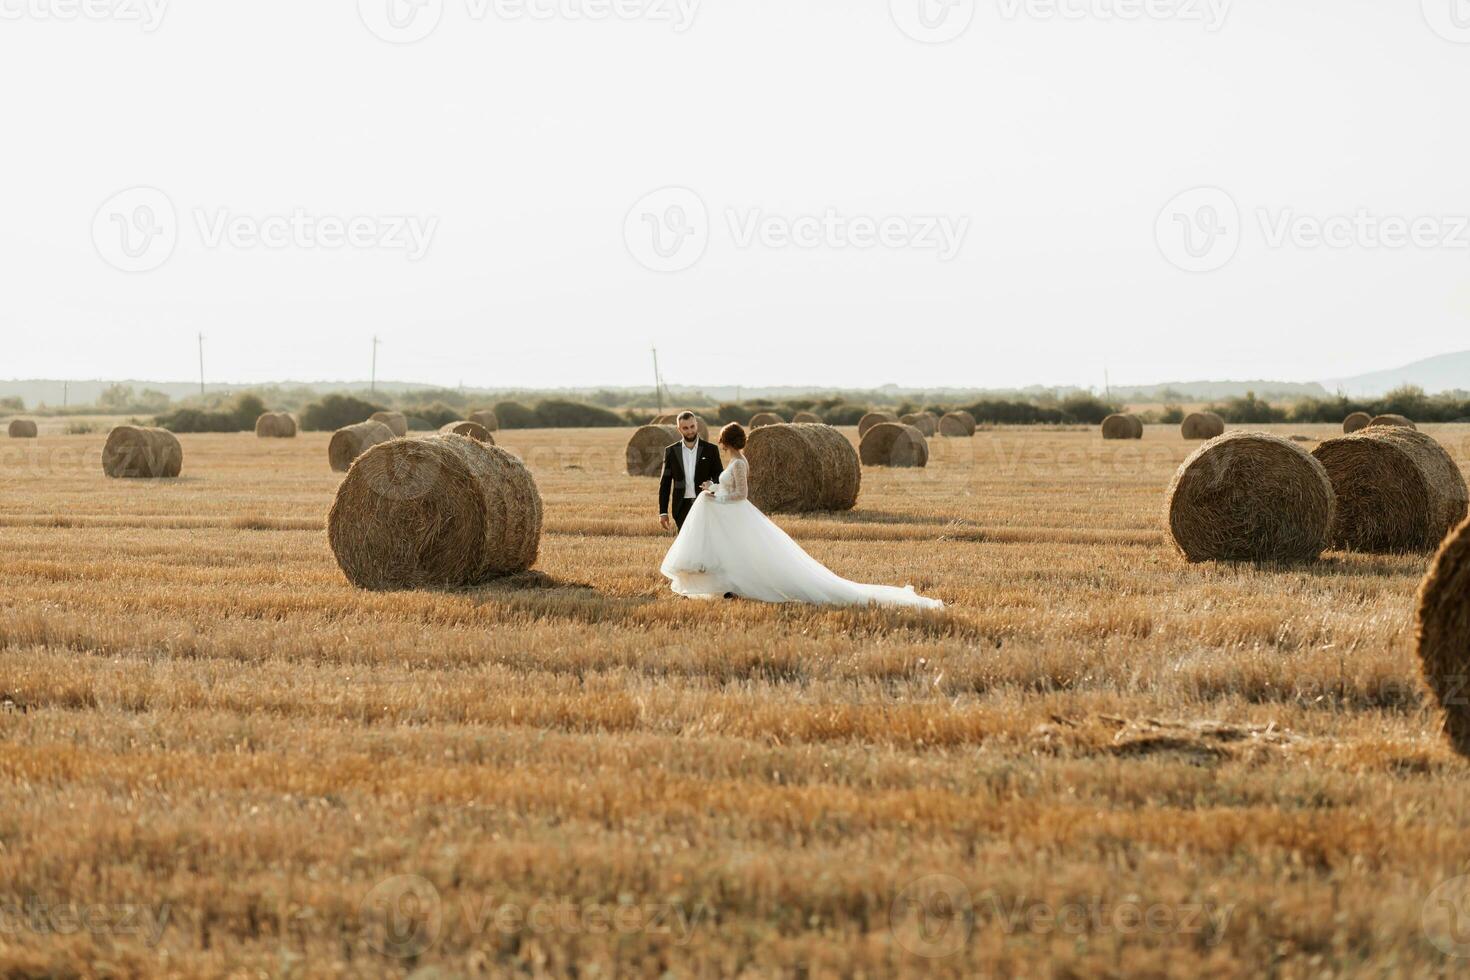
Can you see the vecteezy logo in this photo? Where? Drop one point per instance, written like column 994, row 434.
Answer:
column 932, row 21
column 136, row 230
column 1199, row 231
column 1446, row 916
column 933, row 916
column 401, row 21
column 1450, row 19
column 668, row 230
column 402, row 916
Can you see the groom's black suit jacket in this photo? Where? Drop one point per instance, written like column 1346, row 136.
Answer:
column 707, row 466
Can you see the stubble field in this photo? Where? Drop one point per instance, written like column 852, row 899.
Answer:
column 217, row 757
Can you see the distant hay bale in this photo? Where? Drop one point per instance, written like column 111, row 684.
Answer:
column 1356, row 421
column 352, row 441
column 485, row 417
column 468, row 429
column 894, row 444
column 1390, row 420
column 926, row 422
column 1397, row 490
column 807, row 418
column 275, row 425
column 1443, row 635
column 22, row 429
column 806, row 467
column 1202, row 425
column 1121, row 426
column 645, row 453
column 765, row 418
column 957, row 425
column 397, row 422
column 145, row 453
column 439, row 512
column 1249, row 496
column 874, row 418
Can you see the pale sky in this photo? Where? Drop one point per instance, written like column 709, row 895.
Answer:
column 995, row 210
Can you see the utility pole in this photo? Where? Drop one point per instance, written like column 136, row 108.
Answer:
column 65, row 392
column 658, row 383
column 1107, row 387
column 201, row 364
column 373, row 384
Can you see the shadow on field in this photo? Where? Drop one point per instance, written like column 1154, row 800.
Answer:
column 539, row 596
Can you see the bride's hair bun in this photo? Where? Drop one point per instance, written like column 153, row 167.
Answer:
column 733, row 435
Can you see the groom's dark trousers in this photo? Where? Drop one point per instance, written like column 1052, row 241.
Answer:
column 671, row 499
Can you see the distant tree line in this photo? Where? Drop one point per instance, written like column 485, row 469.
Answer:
column 1408, row 401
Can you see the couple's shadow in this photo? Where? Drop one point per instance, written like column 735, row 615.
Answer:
column 542, row 595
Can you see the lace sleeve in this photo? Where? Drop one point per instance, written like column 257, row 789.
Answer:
column 734, row 482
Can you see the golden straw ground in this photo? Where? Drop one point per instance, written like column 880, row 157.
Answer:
column 200, row 714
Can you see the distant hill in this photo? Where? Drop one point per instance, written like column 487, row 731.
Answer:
column 1447, row 372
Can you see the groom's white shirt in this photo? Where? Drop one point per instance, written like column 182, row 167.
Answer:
column 690, row 456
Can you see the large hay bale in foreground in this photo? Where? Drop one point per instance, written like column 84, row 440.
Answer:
column 275, row 425
column 468, row 429
column 1202, row 425
column 1444, row 635
column 1397, row 490
column 144, row 453
column 894, row 444
column 765, row 418
column 1122, row 426
column 874, row 418
column 807, row 418
column 957, row 425
column 1356, row 421
column 1249, row 496
column 352, row 441
column 806, row 467
column 22, row 429
column 485, row 417
column 645, row 453
column 926, row 422
column 444, row 511
column 1390, row 421
column 396, row 422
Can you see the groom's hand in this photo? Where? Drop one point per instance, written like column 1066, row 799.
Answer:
column 664, row 521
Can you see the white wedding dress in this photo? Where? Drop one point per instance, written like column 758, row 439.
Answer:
column 728, row 546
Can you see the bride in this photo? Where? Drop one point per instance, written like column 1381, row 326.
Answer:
column 729, row 548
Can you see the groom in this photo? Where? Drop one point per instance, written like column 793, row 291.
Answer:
column 687, row 465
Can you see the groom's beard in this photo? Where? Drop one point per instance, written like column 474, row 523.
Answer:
column 691, row 443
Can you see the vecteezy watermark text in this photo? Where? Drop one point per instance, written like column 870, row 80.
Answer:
column 936, row 915
column 407, row 21
column 1202, row 230
column 147, row 14
column 670, row 229
column 42, row 918
column 137, row 230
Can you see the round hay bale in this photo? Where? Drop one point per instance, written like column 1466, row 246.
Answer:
column 765, row 418
column 275, row 425
column 1443, row 635
column 22, row 429
column 1202, row 425
column 957, row 425
column 352, row 441
column 926, row 422
column 894, row 444
column 1249, row 496
column 645, row 452
column 396, row 422
column 1397, row 490
column 485, row 417
column 468, row 429
column 806, row 467
column 1121, row 426
column 445, row 512
column 807, row 418
column 145, row 453
column 1356, row 421
column 1390, row 420
column 874, row 418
